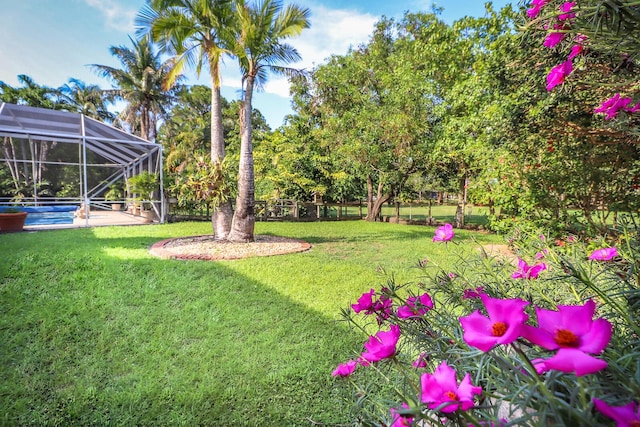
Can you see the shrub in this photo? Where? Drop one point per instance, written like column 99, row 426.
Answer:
column 549, row 336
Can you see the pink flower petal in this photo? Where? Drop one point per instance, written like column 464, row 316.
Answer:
column 382, row 345
column 558, row 74
column 506, row 317
column 575, row 51
column 604, row 254
column 444, row 233
column 477, row 331
column 598, row 337
column 345, row 369
column 441, row 388
column 573, row 360
column 622, row 415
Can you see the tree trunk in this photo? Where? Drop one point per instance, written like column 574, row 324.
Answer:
column 144, row 125
column 369, row 199
column 374, row 208
column 243, row 223
column 458, row 222
column 222, row 215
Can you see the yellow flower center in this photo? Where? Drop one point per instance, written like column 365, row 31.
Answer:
column 498, row 329
column 566, row 338
column 451, row 395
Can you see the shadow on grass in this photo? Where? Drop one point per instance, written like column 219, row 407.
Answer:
column 91, row 338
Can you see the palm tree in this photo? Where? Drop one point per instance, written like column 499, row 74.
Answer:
column 195, row 32
column 259, row 48
column 89, row 100
column 143, row 83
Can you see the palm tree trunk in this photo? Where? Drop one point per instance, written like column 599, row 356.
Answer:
column 244, row 217
column 223, row 214
column 144, row 125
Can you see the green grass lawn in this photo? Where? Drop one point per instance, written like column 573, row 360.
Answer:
column 96, row 331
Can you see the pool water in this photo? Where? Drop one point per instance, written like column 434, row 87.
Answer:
column 49, row 218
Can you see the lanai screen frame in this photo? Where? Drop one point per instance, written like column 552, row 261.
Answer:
column 130, row 154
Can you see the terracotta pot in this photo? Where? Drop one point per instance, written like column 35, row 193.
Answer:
column 149, row 216
column 10, row 222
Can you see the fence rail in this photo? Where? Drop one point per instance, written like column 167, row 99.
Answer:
column 292, row 210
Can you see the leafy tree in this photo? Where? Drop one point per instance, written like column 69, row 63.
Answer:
column 30, row 93
column 474, row 118
column 89, row 100
column 143, row 82
column 377, row 104
column 260, row 48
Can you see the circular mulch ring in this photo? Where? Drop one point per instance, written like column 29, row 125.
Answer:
column 207, row 248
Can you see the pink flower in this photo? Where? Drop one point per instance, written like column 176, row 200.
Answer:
column 572, row 331
column 554, row 37
column 624, row 416
column 558, row 74
column 612, row 106
column 345, row 369
column 633, row 109
column 542, row 254
column 566, row 8
column 382, row 345
column 365, row 302
column 526, row 271
column 473, row 293
column 399, row 420
column 604, row 254
column 441, row 388
column 381, row 307
column 506, row 317
column 444, row 233
column 415, row 307
column 421, row 361
column 575, row 51
column 536, row 6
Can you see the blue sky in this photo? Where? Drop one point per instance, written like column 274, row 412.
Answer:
column 54, row 40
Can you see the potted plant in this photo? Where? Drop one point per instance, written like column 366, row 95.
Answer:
column 12, row 219
column 143, row 186
column 115, row 195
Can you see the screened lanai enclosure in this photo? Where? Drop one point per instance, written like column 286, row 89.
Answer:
column 52, row 158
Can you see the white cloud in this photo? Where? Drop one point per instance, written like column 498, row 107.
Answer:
column 277, row 86
column 117, row 16
column 332, row 32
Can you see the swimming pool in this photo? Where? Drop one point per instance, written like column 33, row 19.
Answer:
column 46, row 215
column 48, row 218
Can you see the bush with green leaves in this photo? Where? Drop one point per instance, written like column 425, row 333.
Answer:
column 547, row 335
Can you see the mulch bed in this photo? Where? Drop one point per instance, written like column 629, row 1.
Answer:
column 207, row 248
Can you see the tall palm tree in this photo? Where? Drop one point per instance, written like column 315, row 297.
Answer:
column 89, row 100
column 260, row 48
column 143, row 83
column 195, row 32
